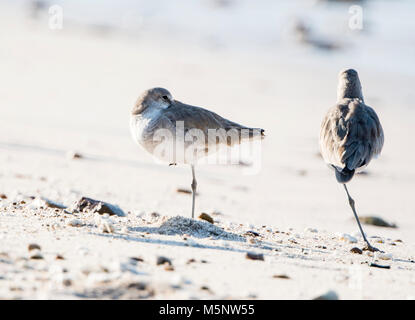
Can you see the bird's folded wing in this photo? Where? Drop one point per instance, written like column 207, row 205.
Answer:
column 204, row 120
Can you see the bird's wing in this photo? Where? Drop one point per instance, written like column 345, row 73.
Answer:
column 350, row 135
column 198, row 118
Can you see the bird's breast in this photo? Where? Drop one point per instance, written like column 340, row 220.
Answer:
column 139, row 128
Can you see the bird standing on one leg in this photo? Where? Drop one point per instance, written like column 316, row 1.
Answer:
column 156, row 114
column 351, row 135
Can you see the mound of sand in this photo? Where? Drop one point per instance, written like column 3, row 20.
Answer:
column 199, row 229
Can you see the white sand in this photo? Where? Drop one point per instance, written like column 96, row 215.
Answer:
column 71, row 90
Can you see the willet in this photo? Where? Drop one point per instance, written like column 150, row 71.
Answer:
column 162, row 126
column 351, row 135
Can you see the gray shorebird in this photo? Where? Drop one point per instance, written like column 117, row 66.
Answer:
column 351, row 135
column 157, row 115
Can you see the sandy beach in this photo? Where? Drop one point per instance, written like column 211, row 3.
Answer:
column 71, row 90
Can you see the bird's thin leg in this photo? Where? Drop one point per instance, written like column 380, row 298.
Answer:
column 194, row 185
column 351, row 202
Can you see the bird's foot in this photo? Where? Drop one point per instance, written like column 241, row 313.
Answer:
column 173, row 164
column 369, row 247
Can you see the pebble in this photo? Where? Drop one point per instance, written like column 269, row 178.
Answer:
column 206, row 217
column 348, row 238
column 292, row 240
column 377, row 221
column 33, row 246
column 73, row 155
column 312, row 230
column 169, row 268
column 36, row 256
column 329, row 295
column 138, row 285
column 255, row 256
column 75, row 223
column 356, row 250
column 186, row 191
column 90, row 205
column 163, row 260
column 251, row 233
column 137, row 259
column 383, row 256
column 281, row 276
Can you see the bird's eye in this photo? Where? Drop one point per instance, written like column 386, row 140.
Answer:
column 166, row 98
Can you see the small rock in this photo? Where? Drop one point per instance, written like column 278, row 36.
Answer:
column 369, row 253
column 163, row 260
column 190, row 261
column 155, row 215
column 75, row 223
column 281, row 276
column 3, row 196
column 36, row 256
column 59, row 257
column 312, row 230
column 67, row 282
column 383, row 256
column 186, row 191
column 206, row 217
column 137, row 259
column 356, row 250
column 348, row 238
column 329, row 295
column 302, row 173
column 376, row 221
column 169, row 268
column 292, row 240
column 138, row 285
column 251, row 233
column 90, row 205
column 33, row 246
column 255, row 256
column 73, row 155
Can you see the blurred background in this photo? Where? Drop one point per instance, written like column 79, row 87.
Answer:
column 71, row 71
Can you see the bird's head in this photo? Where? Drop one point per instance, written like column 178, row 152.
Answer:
column 349, row 85
column 157, row 98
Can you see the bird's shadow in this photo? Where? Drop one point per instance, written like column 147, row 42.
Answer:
column 168, row 242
